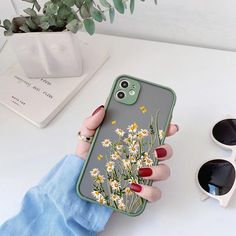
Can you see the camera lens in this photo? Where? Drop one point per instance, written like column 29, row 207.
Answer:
column 120, row 94
column 124, row 84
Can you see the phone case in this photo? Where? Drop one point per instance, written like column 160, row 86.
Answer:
column 124, row 143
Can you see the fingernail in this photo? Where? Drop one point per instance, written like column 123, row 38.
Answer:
column 136, row 187
column 161, row 152
column 97, row 110
column 177, row 127
column 144, row 172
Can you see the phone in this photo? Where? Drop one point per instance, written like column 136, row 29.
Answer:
column 137, row 117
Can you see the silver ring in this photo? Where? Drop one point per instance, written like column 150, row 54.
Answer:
column 84, row 138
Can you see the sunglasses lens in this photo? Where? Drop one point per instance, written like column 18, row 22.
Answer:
column 217, row 177
column 225, row 132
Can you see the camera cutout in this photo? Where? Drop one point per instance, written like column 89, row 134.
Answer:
column 120, row 94
column 124, row 84
column 127, row 90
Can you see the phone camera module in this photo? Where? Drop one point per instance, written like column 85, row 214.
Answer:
column 124, row 84
column 120, row 94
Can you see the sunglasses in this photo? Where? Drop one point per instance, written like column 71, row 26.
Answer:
column 216, row 178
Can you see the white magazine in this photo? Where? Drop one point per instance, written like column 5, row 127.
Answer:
column 39, row 100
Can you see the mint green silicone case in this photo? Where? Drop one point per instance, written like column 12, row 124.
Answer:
column 123, row 143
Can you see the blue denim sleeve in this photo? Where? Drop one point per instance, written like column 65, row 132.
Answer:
column 54, row 208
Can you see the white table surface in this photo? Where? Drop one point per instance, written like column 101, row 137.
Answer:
column 205, row 83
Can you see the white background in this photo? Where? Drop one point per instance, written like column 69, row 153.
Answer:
column 208, row 23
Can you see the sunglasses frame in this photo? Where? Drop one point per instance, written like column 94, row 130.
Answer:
column 223, row 199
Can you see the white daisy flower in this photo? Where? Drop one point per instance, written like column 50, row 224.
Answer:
column 127, row 141
column 99, row 179
column 145, row 155
column 132, row 136
column 101, row 200
column 121, row 206
column 106, row 143
column 144, row 132
column 114, row 197
column 120, row 132
column 128, row 191
column 96, row 194
column 139, row 164
column 132, row 159
column 148, row 161
column 110, row 166
column 94, row 172
column 115, row 156
column 132, row 128
column 133, row 149
column 127, row 164
column 115, row 185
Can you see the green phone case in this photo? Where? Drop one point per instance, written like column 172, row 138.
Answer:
column 125, row 142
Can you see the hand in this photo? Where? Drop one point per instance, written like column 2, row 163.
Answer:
column 156, row 173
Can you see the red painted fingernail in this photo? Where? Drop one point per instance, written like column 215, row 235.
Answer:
column 144, row 172
column 97, row 110
column 136, row 187
column 161, row 152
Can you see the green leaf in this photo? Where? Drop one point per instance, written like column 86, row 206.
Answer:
column 105, row 3
column 30, row 12
column 111, row 14
column 31, row 24
column 63, row 12
column 96, row 14
column 84, row 12
column 71, row 17
column 79, row 3
column 36, row 4
column 131, row 6
column 61, row 23
column 103, row 15
column 7, row 24
column 44, row 19
column 69, row 3
column 44, row 25
column 119, row 6
column 24, row 28
column 88, row 2
column 52, row 20
column 89, row 26
column 52, row 9
column 73, row 26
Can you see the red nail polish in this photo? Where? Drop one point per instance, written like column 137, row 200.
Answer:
column 136, row 187
column 161, row 152
column 97, row 110
column 144, row 172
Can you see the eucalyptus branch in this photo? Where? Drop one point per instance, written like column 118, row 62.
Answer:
column 63, row 15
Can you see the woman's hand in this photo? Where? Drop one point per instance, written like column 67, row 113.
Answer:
column 156, row 173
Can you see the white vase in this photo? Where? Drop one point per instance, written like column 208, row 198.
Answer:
column 48, row 54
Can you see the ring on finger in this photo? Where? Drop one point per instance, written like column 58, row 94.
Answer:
column 84, row 138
